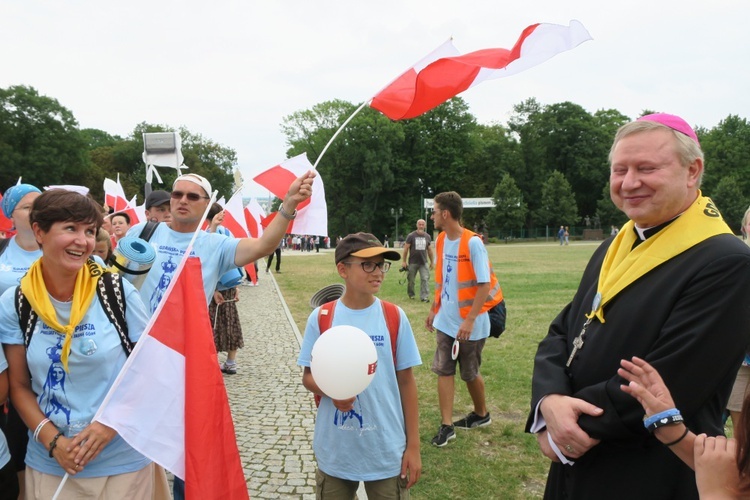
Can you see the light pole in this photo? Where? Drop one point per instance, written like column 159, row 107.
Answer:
column 396, row 213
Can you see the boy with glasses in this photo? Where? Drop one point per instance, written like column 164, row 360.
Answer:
column 374, row 436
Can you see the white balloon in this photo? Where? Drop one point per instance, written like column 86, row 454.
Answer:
column 343, row 361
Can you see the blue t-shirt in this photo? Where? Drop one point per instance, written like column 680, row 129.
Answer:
column 216, row 252
column 4, row 452
column 14, row 263
column 448, row 319
column 368, row 442
column 70, row 399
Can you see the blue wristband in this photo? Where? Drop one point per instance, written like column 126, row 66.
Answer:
column 648, row 422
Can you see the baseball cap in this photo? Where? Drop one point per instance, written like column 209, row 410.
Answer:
column 156, row 198
column 195, row 179
column 363, row 245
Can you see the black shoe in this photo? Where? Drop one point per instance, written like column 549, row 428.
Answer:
column 473, row 420
column 425, row 300
column 445, row 434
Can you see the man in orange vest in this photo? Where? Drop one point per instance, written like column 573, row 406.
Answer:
column 465, row 288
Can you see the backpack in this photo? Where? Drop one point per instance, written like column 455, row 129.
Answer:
column 109, row 291
column 497, row 314
column 392, row 320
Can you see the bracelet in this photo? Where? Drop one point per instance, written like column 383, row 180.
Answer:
column 286, row 215
column 647, row 422
column 670, row 420
column 678, row 439
column 39, row 428
column 53, row 443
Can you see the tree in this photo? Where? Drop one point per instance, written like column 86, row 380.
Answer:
column 730, row 201
column 558, row 203
column 359, row 167
column 727, row 151
column 510, row 210
column 39, row 139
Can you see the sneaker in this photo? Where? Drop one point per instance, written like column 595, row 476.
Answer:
column 473, row 420
column 229, row 369
column 425, row 300
column 445, row 434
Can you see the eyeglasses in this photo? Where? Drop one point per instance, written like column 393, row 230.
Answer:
column 177, row 195
column 369, row 266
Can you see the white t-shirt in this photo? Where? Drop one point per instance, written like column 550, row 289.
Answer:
column 448, row 319
column 367, row 443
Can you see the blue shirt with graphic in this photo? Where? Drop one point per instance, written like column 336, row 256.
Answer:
column 14, row 262
column 368, row 442
column 70, row 399
column 448, row 319
column 216, row 252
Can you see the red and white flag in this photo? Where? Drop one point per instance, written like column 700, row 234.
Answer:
column 312, row 214
column 169, row 401
column 445, row 73
column 234, row 217
column 254, row 214
column 114, row 195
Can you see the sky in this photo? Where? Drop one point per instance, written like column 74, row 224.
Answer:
column 232, row 70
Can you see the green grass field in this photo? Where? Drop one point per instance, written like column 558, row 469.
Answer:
column 500, row 460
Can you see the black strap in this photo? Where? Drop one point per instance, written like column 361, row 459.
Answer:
column 148, row 230
column 3, row 244
column 109, row 291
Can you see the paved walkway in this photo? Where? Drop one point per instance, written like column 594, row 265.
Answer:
column 273, row 413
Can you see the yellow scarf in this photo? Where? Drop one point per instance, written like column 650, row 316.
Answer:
column 621, row 266
column 35, row 291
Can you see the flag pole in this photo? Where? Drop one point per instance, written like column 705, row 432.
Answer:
column 338, row 131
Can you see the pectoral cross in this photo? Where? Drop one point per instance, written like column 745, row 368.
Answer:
column 578, row 343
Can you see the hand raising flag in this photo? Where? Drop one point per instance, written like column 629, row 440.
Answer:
column 312, row 214
column 445, row 73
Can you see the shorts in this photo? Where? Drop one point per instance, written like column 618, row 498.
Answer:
column 739, row 389
column 469, row 357
column 334, row 488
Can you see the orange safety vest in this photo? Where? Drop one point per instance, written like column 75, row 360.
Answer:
column 467, row 280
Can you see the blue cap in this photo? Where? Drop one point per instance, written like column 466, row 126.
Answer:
column 14, row 194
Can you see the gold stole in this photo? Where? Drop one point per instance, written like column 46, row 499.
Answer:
column 622, row 266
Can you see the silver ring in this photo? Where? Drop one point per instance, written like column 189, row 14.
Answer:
column 568, row 448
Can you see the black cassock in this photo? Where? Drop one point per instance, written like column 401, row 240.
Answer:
column 689, row 318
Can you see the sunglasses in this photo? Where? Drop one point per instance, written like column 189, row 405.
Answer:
column 177, row 195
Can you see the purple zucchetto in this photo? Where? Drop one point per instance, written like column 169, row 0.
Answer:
column 672, row 121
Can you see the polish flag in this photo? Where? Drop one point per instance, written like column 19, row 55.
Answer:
column 5, row 223
column 312, row 214
column 445, row 73
column 254, row 214
column 234, row 217
column 114, row 195
column 169, row 401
